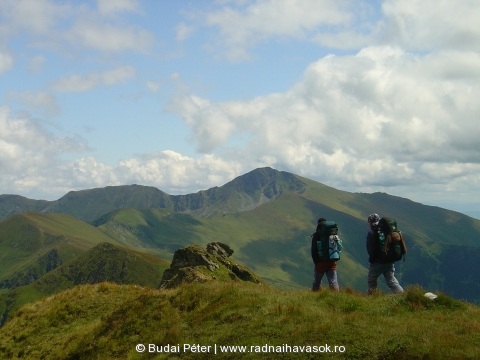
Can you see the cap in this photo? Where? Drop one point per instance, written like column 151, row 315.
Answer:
column 373, row 219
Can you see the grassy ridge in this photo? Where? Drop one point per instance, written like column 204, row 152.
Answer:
column 104, row 262
column 26, row 239
column 108, row 321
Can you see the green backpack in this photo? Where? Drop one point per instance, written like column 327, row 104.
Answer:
column 391, row 240
column 328, row 242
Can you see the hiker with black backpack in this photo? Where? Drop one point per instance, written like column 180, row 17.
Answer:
column 326, row 249
column 384, row 248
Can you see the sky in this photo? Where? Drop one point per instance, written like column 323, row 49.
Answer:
column 363, row 96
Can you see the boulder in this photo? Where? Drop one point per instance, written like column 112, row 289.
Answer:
column 195, row 264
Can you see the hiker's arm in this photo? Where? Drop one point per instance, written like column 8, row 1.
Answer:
column 371, row 246
column 314, row 249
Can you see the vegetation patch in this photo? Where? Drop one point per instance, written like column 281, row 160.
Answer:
column 109, row 320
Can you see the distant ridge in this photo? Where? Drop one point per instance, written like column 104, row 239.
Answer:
column 16, row 204
column 266, row 216
column 241, row 194
column 104, row 262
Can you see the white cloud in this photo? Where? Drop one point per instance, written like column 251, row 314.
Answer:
column 242, row 28
column 167, row 170
column 71, row 25
column 29, row 153
column 210, row 124
column 79, row 83
column 26, row 142
column 371, row 118
column 32, row 162
column 176, row 173
column 36, row 16
column 87, row 173
column 430, row 24
column 413, row 24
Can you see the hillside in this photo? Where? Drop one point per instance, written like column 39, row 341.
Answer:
column 266, row 216
column 238, row 320
column 274, row 239
column 32, row 244
column 103, row 262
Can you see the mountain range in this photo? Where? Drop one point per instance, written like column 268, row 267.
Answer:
column 266, row 216
column 243, row 193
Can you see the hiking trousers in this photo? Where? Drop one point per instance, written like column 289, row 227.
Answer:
column 331, row 277
column 388, row 272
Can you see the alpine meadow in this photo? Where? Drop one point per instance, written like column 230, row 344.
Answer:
column 80, row 277
column 239, row 179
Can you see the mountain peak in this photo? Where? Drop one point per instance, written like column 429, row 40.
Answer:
column 243, row 193
column 270, row 182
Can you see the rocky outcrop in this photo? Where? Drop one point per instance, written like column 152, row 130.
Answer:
column 195, row 264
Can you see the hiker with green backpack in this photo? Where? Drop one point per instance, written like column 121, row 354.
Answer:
column 326, row 249
column 385, row 245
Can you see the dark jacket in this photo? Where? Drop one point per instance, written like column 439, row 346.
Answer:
column 373, row 246
column 328, row 264
column 314, row 249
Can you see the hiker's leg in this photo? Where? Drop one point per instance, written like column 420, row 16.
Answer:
column 317, row 279
column 332, row 280
column 373, row 273
column 391, row 280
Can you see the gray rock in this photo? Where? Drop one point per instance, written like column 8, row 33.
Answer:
column 194, row 264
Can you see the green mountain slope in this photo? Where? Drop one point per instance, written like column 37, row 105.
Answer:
column 237, row 320
column 103, row 262
column 156, row 230
column 267, row 217
column 274, row 238
column 31, row 244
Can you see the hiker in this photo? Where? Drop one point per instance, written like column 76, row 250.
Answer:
column 377, row 265
column 324, row 264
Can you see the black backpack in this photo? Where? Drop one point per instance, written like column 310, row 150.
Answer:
column 328, row 243
column 391, row 240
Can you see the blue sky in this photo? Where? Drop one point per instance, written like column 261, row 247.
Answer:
column 363, row 96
